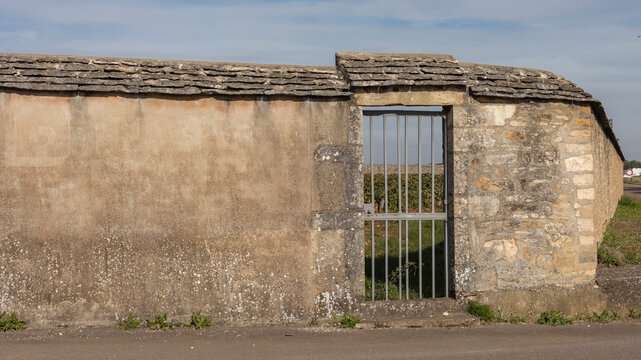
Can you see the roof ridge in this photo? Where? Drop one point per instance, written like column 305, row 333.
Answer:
column 469, row 64
column 167, row 61
column 353, row 55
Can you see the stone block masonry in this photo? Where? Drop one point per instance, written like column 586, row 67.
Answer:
column 534, row 186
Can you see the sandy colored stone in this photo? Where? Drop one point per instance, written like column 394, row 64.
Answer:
column 496, row 114
column 583, row 180
column 579, row 163
column 514, row 135
column 409, row 98
column 583, row 121
column 483, row 206
column 575, row 149
column 586, row 225
column 586, row 240
column 585, row 194
column 580, row 135
column 502, row 249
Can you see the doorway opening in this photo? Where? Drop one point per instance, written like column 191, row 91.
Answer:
column 405, row 194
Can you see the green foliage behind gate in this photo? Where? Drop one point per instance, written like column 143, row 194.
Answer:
column 412, row 190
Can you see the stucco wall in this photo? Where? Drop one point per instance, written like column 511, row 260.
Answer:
column 526, row 179
column 117, row 204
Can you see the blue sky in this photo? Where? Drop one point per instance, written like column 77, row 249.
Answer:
column 592, row 43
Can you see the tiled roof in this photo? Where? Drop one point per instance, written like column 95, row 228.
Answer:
column 513, row 82
column 74, row 73
column 383, row 70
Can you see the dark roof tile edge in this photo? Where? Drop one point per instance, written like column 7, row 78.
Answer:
column 367, row 55
column 602, row 118
column 104, row 60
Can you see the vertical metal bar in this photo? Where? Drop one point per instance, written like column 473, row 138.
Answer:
column 371, row 173
column 444, row 190
column 420, row 208
column 400, row 228
column 407, row 248
column 432, row 186
column 386, row 205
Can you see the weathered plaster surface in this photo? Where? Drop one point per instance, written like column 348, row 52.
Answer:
column 118, row 204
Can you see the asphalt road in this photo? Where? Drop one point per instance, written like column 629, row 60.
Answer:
column 632, row 190
column 503, row 341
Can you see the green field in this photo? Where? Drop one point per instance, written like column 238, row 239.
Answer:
column 622, row 239
column 632, row 180
column 407, row 267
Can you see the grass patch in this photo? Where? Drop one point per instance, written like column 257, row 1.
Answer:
column 607, row 257
column 605, row 317
column 129, row 323
column 632, row 257
column 553, row 318
column 198, row 321
column 487, row 314
column 622, row 238
column 160, row 323
column 346, row 321
column 482, row 311
column 10, row 322
column 409, row 267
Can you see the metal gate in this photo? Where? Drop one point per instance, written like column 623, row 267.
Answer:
column 407, row 203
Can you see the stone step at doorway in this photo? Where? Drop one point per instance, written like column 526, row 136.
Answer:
column 413, row 313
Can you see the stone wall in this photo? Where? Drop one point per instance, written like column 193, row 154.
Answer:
column 525, row 196
column 608, row 179
column 250, row 208
column 245, row 208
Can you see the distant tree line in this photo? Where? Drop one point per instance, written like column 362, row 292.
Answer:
column 631, row 164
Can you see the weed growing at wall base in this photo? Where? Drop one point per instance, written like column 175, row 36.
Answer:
column 553, row 318
column 198, row 321
column 346, row 321
column 160, row 323
column 482, row 311
column 605, row 317
column 10, row 322
column 635, row 314
column 607, row 258
column 515, row 319
column 488, row 314
column 129, row 323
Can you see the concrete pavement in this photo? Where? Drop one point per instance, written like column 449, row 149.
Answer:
column 501, row 341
